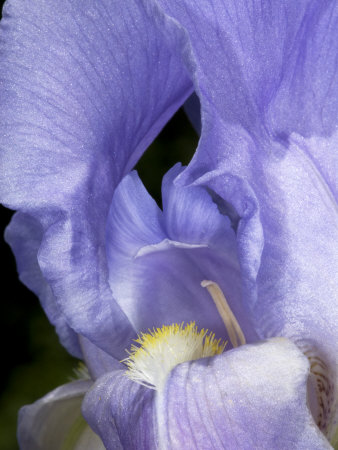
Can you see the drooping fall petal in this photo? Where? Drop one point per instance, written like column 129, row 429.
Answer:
column 251, row 397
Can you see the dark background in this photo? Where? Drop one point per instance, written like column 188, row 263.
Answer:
column 33, row 361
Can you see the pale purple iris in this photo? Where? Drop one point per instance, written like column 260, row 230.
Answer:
column 85, row 87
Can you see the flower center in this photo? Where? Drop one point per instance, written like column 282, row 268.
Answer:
column 163, row 348
column 157, row 352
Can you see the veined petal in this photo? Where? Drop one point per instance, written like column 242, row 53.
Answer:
column 190, row 216
column 156, row 268
column 271, row 66
column 97, row 361
column 266, row 75
column 55, row 421
column 291, row 286
column 122, row 413
column 253, row 397
column 134, row 219
column 85, row 87
column 79, row 101
column 24, row 235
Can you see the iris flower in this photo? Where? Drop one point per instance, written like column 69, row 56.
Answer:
column 244, row 245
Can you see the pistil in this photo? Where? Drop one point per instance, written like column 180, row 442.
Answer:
column 233, row 328
column 157, row 352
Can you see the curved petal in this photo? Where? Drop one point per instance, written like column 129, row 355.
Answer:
column 157, row 260
column 190, row 216
column 294, row 276
column 24, row 235
column 134, row 220
column 271, row 66
column 77, row 100
column 121, row 412
column 266, row 77
column 55, row 421
column 85, row 87
column 253, row 397
column 192, row 107
column 97, row 361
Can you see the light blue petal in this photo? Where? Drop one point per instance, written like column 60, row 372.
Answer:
column 24, row 235
column 97, row 361
column 85, row 88
column 269, row 66
column 253, row 397
column 157, row 260
column 122, row 413
column 266, row 76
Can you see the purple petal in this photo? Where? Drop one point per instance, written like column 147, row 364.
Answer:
column 265, row 65
column 24, row 235
column 266, row 78
column 252, row 397
column 134, row 219
column 85, row 87
column 121, row 412
column 77, row 100
column 97, row 361
column 157, row 260
column 55, row 421
column 190, row 215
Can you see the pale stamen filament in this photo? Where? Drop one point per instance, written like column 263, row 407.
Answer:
column 233, row 328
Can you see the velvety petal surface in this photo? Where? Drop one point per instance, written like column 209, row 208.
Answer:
column 122, row 413
column 252, row 397
column 265, row 74
column 269, row 66
column 55, row 421
column 24, row 235
column 97, row 361
column 157, row 260
column 85, row 87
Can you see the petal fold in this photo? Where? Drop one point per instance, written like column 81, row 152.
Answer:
column 157, row 260
column 85, row 88
column 24, row 235
column 253, row 397
column 121, row 412
column 271, row 66
column 265, row 74
column 97, row 361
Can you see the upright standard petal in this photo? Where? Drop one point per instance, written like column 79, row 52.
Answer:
column 266, row 76
column 55, row 421
column 157, row 260
column 268, row 66
column 85, row 87
column 267, row 148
